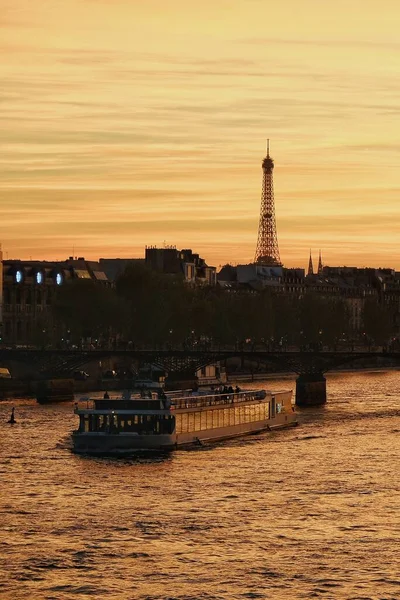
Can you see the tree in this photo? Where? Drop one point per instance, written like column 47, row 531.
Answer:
column 87, row 309
column 377, row 322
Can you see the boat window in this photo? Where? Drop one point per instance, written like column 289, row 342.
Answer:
column 197, row 417
column 178, row 423
column 184, row 422
column 203, row 420
column 226, row 412
column 81, row 424
column 166, row 424
column 215, row 418
column 190, row 422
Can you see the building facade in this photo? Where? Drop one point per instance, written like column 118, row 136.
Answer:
column 191, row 266
column 28, row 290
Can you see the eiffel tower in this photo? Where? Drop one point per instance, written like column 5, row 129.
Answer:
column 267, row 250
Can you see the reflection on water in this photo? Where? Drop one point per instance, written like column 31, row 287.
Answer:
column 308, row 512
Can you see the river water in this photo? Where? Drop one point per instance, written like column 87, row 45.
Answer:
column 308, row 512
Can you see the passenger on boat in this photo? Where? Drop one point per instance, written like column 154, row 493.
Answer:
column 106, row 396
column 237, row 389
column 167, row 402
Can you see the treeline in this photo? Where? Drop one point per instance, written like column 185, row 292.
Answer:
column 148, row 308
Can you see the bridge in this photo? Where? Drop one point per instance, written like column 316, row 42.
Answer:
column 309, row 365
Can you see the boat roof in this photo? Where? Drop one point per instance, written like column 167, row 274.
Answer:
column 156, row 406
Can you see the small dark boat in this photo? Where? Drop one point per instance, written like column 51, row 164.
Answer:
column 12, row 420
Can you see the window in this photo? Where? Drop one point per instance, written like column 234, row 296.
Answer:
column 197, row 421
column 178, row 423
column 80, row 273
column 191, row 422
column 203, row 420
column 226, row 412
column 184, row 423
column 267, row 410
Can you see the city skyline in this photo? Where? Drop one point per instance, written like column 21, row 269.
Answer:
column 127, row 125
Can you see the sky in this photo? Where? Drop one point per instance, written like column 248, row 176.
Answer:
column 127, row 123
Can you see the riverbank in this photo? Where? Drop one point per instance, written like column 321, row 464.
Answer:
column 248, row 377
column 12, row 388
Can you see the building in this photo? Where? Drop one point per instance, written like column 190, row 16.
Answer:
column 114, row 267
column 28, row 290
column 353, row 285
column 191, row 266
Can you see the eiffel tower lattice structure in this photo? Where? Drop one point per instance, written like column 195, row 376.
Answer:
column 267, row 250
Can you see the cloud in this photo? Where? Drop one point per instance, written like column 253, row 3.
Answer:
column 122, row 131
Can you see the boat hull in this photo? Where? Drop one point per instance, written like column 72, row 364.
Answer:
column 122, row 444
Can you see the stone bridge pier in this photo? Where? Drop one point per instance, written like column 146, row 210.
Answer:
column 310, row 389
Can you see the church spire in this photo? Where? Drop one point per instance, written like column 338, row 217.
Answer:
column 310, row 266
column 320, row 264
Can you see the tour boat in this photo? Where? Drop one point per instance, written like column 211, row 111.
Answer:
column 123, row 426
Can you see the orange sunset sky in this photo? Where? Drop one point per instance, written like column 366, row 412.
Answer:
column 134, row 122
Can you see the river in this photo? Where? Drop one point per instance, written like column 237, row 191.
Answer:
column 308, row 512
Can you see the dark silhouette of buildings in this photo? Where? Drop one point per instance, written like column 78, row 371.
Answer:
column 191, row 266
column 28, row 290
